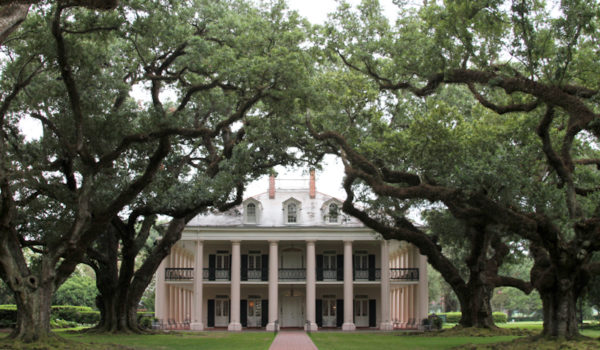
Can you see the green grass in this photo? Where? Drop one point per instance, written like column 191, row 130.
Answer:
column 396, row 341
column 182, row 341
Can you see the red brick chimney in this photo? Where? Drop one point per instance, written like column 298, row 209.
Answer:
column 312, row 188
column 272, row 187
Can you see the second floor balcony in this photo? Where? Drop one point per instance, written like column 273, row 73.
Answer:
column 292, row 274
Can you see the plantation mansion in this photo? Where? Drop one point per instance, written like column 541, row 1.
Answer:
column 289, row 258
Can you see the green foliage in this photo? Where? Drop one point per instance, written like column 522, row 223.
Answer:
column 454, row 317
column 79, row 290
column 8, row 315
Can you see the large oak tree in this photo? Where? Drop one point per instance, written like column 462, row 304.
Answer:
column 524, row 63
column 208, row 76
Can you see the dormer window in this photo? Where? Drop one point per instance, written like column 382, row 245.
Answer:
column 251, row 213
column 292, row 216
column 252, row 210
column 291, row 211
column 333, row 213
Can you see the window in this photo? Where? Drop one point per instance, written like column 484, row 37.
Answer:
column 333, row 213
column 251, row 213
column 291, row 214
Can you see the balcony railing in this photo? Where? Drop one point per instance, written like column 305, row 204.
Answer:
column 179, row 273
column 404, row 274
column 367, row 274
column 297, row 274
column 329, row 274
column 255, row 274
column 292, row 274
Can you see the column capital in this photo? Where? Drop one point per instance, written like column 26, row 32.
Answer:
column 236, row 241
column 274, row 241
column 310, row 241
column 348, row 241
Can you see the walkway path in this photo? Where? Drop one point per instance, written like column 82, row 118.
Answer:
column 292, row 340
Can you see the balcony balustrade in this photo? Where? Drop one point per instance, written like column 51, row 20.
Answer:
column 296, row 274
column 292, row 274
column 179, row 273
column 404, row 274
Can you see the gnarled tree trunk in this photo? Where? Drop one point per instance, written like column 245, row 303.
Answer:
column 475, row 304
column 33, row 316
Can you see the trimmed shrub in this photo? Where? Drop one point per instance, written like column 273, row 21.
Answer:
column 8, row 315
column 89, row 317
column 454, row 317
column 499, row 317
column 451, row 317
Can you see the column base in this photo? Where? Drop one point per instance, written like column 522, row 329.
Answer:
column 386, row 326
column 197, row 326
column 348, row 326
column 271, row 327
column 234, row 327
column 311, row 327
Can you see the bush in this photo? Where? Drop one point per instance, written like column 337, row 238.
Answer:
column 8, row 315
column 454, row 317
column 499, row 317
column 451, row 317
column 89, row 317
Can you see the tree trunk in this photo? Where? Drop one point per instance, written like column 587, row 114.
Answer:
column 33, row 316
column 475, row 305
column 560, row 314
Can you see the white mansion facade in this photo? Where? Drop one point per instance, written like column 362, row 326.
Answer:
column 290, row 258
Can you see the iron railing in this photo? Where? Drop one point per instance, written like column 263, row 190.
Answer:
column 292, row 274
column 367, row 274
column 330, row 274
column 179, row 273
column 255, row 274
column 404, row 274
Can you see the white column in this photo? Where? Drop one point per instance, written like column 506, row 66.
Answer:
column 160, row 297
column 273, row 285
column 386, row 323
column 197, row 324
column 236, row 276
column 348, row 324
column 422, row 288
column 311, row 280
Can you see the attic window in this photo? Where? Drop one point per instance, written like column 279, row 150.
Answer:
column 333, row 213
column 251, row 213
column 292, row 216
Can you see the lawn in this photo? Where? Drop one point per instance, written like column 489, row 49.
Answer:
column 173, row 341
column 396, row 341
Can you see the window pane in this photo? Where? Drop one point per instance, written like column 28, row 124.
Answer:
column 218, row 308
column 364, row 308
column 251, row 308
column 225, row 308
column 331, row 307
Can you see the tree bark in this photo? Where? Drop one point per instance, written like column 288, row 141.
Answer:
column 475, row 304
column 33, row 316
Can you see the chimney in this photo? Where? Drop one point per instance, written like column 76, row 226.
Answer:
column 312, row 188
column 271, row 186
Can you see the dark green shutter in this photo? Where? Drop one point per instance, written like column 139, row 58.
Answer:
column 264, row 268
column 244, row 267
column 319, row 267
column 372, row 313
column 265, row 312
column 212, row 260
column 371, row 267
column 340, row 267
column 339, row 306
column 319, row 312
column 210, row 313
column 244, row 313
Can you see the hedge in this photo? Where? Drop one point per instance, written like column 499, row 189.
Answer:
column 454, row 317
column 68, row 314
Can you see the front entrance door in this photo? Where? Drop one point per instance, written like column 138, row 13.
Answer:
column 329, row 312
column 361, row 312
column 292, row 311
column 254, row 312
column 221, row 312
